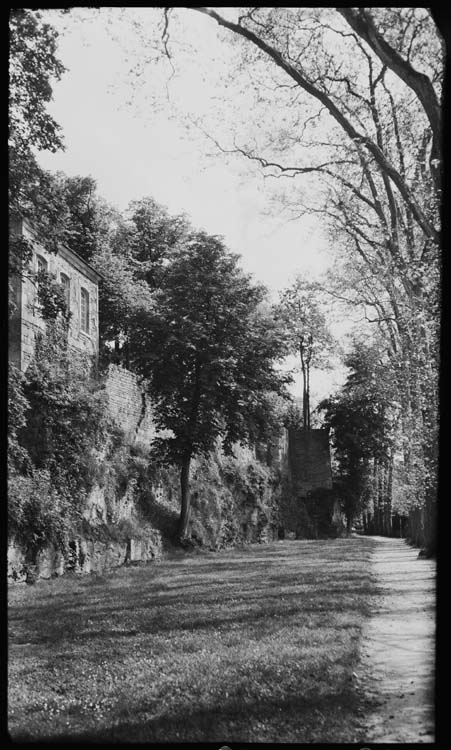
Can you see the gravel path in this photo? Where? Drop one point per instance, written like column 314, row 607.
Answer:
column 398, row 652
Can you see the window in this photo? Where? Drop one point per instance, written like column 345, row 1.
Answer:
column 65, row 283
column 42, row 267
column 41, row 263
column 84, row 310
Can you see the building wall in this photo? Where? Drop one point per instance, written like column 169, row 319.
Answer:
column 26, row 321
column 309, row 460
column 129, row 406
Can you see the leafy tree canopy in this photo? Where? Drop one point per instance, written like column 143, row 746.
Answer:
column 153, row 235
column 33, row 64
column 208, row 353
column 206, row 348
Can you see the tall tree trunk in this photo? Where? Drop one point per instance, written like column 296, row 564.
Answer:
column 186, row 505
column 374, row 497
column 430, row 500
column 305, row 405
column 388, row 497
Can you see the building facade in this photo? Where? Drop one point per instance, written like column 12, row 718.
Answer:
column 80, row 284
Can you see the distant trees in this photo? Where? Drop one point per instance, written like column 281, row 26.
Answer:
column 307, row 332
column 362, row 418
column 208, row 353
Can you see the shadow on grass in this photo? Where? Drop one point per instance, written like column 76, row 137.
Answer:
column 165, row 614
column 190, row 644
column 196, row 580
column 293, row 719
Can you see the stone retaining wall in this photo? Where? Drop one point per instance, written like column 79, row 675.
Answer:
column 84, row 556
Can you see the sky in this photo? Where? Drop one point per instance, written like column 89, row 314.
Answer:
column 113, row 131
column 134, row 153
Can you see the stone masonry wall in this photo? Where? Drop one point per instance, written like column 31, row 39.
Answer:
column 133, row 414
column 308, row 468
column 26, row 321
column 129, row 405
column 309, row 460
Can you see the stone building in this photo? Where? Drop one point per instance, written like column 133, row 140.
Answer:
column 80, row 282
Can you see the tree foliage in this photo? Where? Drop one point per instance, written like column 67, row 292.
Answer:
column 362, row 418
column 308, row 333
column 58, row 422
column 153, row 237
column 33, row 66
column 360, row 141
column 208, row 354
column 33, row 63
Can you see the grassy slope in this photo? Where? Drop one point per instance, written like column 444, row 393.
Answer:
column 252, row 645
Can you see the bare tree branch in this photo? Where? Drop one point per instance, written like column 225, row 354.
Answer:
column 360, row 20
column 358, row 138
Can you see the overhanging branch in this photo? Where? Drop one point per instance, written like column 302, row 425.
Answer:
column 383, row 163
column 362, row 23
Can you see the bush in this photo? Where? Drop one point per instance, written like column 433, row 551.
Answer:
column 67, row 420
column 233, row 501
column 38, row 513
column 18, row 458
column 58, row 423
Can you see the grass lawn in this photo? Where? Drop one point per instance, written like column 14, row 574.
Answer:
column 254, row 645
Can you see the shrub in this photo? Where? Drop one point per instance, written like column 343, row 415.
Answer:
column 58, row 423
column 38, row 513
column 18, row 458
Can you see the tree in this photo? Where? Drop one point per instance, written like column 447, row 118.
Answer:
column 309, row 336
column 208, row 353
column 373, row 76
column 154, row 235
column 85, row 220
column 362, row 418
column 277, row 34
column 33, row 66
column 345, row 104
column 131, row 252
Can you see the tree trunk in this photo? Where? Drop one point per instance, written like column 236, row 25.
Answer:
column 184, row 486
column 430, row 504
column 305, row 404
column 388, row 497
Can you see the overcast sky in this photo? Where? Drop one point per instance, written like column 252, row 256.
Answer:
column 133, row 152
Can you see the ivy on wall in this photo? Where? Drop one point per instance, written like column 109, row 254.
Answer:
column 58, row 423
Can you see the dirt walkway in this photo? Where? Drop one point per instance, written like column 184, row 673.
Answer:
column 398, row 653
